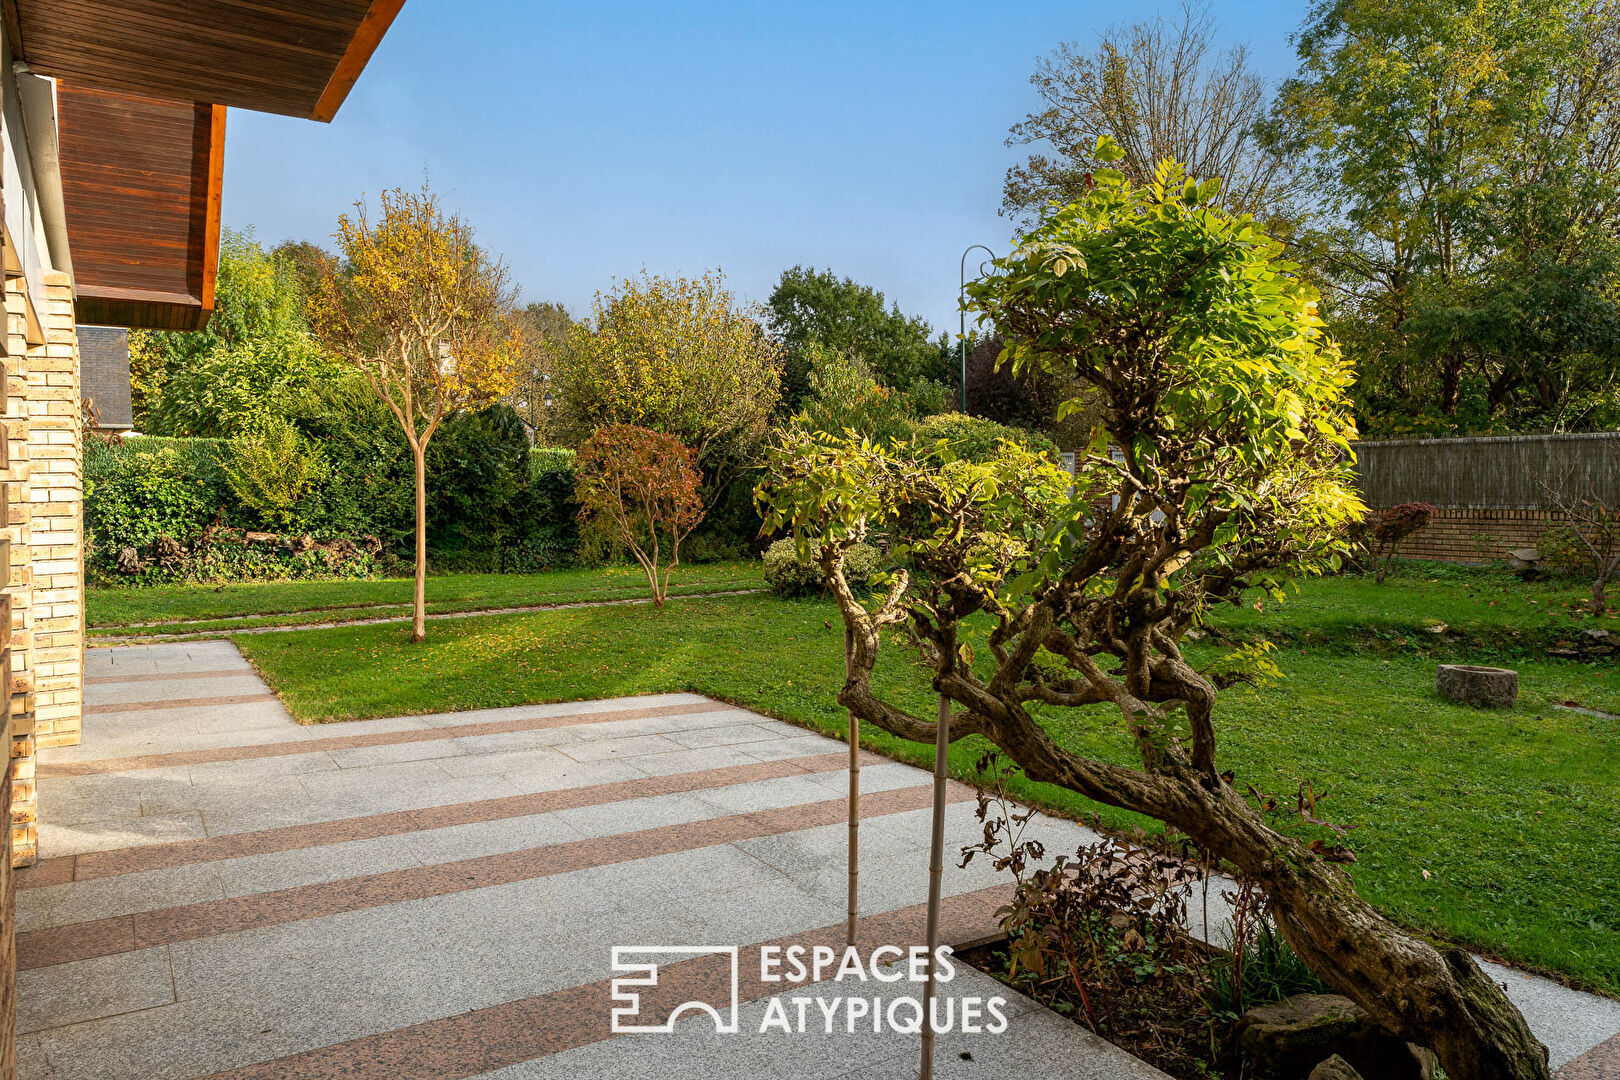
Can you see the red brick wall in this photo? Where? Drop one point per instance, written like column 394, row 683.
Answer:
column 1475, row 535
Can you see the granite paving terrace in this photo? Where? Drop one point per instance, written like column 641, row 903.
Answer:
column 225, row 892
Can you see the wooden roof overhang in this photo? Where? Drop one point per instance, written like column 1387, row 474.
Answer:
column 142, row 90
column 141, row 182
column 295, row 57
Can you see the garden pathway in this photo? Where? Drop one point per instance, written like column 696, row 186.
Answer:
column 228, row 893
column 154, row 632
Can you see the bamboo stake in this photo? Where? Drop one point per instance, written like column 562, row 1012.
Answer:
column 854, row 798
column 936, row 873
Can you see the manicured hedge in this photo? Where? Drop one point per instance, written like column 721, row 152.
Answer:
column 147, row 488
column 494, row 504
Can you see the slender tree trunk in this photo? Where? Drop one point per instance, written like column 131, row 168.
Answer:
column 658, row 585
column 419, row 600
column 1450, row 383
column 854, row 801
column 936, row 876
column 650, row 569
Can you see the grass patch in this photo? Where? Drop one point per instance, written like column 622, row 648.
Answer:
column 1515, row 814
column 290, row 603
column 1481, row 608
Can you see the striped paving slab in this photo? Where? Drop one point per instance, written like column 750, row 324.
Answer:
column 227, row 893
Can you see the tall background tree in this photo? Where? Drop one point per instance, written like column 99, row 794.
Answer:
column 1160, row 89
column 1035, row 399
column 423, row 313
column 303, row 259
column 845, row 395
column 544, row 331
column 252, row 359
column 1463, row 160
column 811, row 308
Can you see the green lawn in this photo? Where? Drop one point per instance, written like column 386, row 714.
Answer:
column 1515, row 815
column 219, row 608
column 1479, row 607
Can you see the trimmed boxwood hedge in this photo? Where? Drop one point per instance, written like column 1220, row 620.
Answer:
column 494, row 505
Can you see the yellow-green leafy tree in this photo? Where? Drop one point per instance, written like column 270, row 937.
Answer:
column 1219, row 468
column 680, row 356
column 424, row 314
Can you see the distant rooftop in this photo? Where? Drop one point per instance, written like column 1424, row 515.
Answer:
column 104, row 375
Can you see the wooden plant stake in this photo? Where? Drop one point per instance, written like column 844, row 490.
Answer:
column 854, row 798
column 936, row 873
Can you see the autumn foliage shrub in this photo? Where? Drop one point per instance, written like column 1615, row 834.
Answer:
column 639, row 488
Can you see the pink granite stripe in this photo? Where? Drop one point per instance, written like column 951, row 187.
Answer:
column 167, row 926
column 48, row 770
column 504, row 1035
column 88, row 866
column 170, row 676
column 1602, row 1062
column 178, row 703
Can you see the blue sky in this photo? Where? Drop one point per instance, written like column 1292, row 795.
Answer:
column 586, row 141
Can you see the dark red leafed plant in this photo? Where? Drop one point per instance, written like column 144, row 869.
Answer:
column 1395, row 525
column 640, row 488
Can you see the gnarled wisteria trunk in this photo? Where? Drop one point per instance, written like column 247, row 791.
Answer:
column 1433, row 996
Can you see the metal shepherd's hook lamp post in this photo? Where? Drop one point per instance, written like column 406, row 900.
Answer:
column 942, row 745
column 961, row 314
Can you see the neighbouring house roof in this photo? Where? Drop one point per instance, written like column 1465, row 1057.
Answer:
column 141, row 92
column 104, row 375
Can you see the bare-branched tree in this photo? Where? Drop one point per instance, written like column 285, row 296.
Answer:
column 1159, row 89
column 1591, row 523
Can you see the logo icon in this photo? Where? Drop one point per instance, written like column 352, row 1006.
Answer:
column 641, row 964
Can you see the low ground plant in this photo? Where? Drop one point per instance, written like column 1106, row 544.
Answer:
column 1394, row 525
column 1588, row 538
column 1104, row 936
